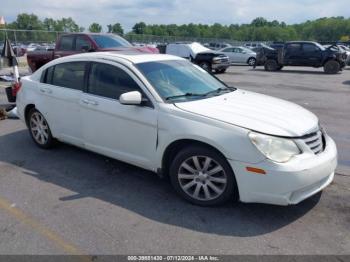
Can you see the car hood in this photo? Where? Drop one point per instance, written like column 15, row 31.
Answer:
column 256, row 112
column 214, row 53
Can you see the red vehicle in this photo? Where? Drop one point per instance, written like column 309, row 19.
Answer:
column 70, row 44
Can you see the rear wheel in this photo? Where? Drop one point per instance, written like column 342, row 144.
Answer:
column 271, row 65
column 206, row 66
column 202, row 176
column 331, row 67
column 39, row 129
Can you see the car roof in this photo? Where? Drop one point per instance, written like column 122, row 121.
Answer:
column 134, row 57
column 301, row 42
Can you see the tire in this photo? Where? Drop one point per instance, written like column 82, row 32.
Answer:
column 331, row 67
column 251, row 61
column 39, row 130
column 271, row 65
column 209, row 182
column 206, row 66
column 220, row 71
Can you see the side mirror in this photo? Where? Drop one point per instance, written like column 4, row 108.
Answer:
column 131, row 98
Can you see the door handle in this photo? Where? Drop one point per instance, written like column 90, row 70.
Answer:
column 89, row 102
column 57, row 56
column 45, row 90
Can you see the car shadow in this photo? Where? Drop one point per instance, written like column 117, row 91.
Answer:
column 347, row 82
column 95, row 176
column 304, row 72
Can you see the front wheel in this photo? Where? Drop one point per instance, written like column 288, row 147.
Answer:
column 39, row 129
column 202, row 176
column 331, row 67
column 251, row 61
column 206, row 66
column 271, row 65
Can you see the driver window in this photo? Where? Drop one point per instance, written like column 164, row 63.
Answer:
column 310, row 48
column 110, row 81
column 81, row 42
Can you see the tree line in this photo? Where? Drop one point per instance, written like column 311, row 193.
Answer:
column 260, row 29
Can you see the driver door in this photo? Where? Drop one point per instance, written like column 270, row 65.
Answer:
column 124, row 132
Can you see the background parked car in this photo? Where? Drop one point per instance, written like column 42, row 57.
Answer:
column 217, row 46
column 303, row 53
column 70, row 44
column 198, row 54
column 240, row 54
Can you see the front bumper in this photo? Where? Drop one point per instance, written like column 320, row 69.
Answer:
column 222, row 65
column 287, row 183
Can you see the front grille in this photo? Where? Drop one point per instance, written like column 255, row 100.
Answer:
column 224, row 60
column 315, row 141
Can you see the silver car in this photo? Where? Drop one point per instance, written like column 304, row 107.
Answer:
column 240, row 54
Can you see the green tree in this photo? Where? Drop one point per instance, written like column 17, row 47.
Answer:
column 49, row 24
column 95, row 28
column 28, row 22
column 115, row 29
column 139, row 28
column 67, row 25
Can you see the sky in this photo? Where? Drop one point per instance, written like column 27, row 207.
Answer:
column 129, row 12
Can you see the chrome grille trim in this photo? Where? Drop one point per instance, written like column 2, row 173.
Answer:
column 314, row 141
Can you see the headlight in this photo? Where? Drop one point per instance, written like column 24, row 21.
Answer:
column 275, row 148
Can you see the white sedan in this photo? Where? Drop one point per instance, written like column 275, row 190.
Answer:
column 164, row 114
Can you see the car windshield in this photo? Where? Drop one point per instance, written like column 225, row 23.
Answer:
column 246, row 49
column 180, row 80
column 110, row 41
column 321, row 47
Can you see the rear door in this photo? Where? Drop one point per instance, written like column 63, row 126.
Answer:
column 72, row 44
column 125, row 132
column 293, row 54
column 312, row 54
column 61, row 90
column 65, row 46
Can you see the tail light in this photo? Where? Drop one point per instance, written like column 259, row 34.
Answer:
column 15, row 88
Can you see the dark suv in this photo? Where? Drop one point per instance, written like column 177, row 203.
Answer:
column 299, row 53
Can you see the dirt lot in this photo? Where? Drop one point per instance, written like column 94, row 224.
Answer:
column 72, row 201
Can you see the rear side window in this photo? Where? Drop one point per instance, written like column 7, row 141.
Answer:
column 46, row 76
column 66, row 43
column 110, row 81
column 293, row 47
column 70, row 75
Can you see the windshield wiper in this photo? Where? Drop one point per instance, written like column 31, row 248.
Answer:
column 184, row 95
column 219, row 90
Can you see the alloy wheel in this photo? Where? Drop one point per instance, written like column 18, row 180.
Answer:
column 202, row 178
column 39, row 128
